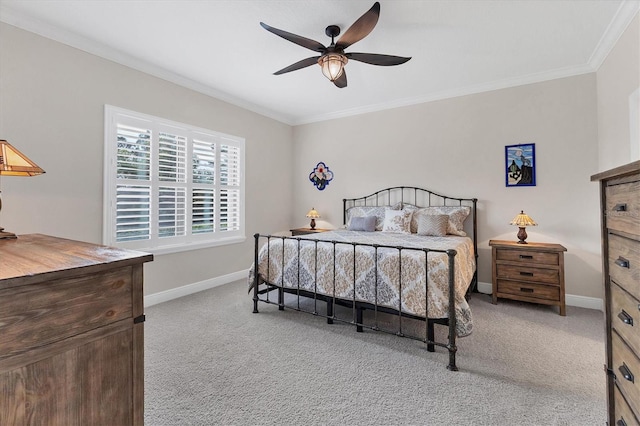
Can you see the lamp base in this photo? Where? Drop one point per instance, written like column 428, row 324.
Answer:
column 522, row 236
column 6, row 235
column 313, row 224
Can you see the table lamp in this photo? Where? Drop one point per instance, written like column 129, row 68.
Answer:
column 14, row 163
column 313, row 214
column 522, row 220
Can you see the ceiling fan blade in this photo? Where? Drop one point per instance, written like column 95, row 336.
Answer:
column 341, row 81
column 361, row 28
column 298, row 65
column 299, row 40
column 376, row 59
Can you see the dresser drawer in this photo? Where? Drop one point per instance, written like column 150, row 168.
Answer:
column 529, row 290
column 525, row 273
column 626, row 367
column 625, row 316
column 528, row 256
column 624, row 263
column 47, row 312
column 623, row 207
column 623, row 414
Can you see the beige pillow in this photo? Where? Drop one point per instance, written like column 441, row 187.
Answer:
column 433, row 225
column 397, row 221
column 457, row 215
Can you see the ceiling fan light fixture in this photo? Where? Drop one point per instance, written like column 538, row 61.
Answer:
column 332, row 65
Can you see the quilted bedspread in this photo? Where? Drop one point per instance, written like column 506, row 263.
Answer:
column 398, row 283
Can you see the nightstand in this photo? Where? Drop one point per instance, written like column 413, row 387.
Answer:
column 304, row 231
column 532, row 272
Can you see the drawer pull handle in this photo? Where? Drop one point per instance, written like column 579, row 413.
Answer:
column 526, row 256
column 526, row 290
column 626, row 373
column 526, row 274
column 625, row 318
column 622, row 262
column 621, row 422
column 622, row 207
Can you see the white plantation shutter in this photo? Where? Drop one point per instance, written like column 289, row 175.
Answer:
column 170, row 186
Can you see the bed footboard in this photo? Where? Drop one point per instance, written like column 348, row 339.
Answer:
column 264, row 285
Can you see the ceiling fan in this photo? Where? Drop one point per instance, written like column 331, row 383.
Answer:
column 333, row 58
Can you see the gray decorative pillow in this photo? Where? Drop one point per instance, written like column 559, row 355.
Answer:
column 360, row 211
column 433, row 225
column 457, row 215
column 363, row 223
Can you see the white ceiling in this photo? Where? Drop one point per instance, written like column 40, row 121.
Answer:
column 218, row 47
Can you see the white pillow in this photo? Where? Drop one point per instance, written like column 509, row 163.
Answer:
column 397, row 221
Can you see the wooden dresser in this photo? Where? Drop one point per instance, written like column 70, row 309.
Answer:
column 71, row 333
column 620, row 209
column 532, row 272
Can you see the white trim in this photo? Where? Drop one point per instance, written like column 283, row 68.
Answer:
column 617, row 26
column 569, row 299
column 624, row 15
column 185, row 290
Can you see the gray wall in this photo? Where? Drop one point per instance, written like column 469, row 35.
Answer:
column 52, row 101
column 51, row 107
column 456, row 147
column 618, row 78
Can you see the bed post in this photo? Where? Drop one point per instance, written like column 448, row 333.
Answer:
column 474, row 284
column 344, row 211
column 256, row 275
column 452, row 312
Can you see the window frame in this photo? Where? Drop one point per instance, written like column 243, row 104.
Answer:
column 115, row 116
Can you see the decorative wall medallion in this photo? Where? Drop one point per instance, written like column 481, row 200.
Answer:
column 321, row 176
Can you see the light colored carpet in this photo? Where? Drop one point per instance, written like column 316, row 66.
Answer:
column 210, row 361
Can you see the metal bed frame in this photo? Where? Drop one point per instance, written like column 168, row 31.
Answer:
column 389, row 196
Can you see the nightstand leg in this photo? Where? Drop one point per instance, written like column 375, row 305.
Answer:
column 563, row 310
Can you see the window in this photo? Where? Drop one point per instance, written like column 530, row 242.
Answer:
column 169, row 186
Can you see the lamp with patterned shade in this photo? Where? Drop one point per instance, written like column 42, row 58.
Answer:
column 14, row 163
column 313, row 214
column 523, row 220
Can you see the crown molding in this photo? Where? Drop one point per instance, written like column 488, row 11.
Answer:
column 454, row 93
column 623, row 17
column 27, row 23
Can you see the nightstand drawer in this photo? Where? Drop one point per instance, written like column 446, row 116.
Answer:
column 529, row 290
column 623, row 207
column 623, row 412
column 524, row 273
column 624, row 263
column 528, row 256
column 625, row 317
column 626, row 367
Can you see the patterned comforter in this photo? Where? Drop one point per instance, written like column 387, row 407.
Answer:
column 318, row 274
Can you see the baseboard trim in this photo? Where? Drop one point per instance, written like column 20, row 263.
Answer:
column 569, row 299
column 185, row 290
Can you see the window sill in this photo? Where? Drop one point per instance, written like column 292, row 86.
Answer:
column 177, row 248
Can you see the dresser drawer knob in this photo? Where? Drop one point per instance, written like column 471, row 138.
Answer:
column 526, row 274
column 622, row 262
column 526, row 256
column 622, row 207
column 526, row 290
column 626, row 373
column 621, row 422
column 625, row 318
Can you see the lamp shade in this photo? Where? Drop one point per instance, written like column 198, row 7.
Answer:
column 15, row 163
column 332, row 65
column 313, row 214
column 523, row 220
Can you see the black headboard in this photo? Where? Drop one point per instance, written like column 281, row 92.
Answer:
column 418, row 197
